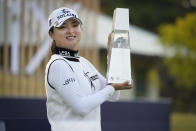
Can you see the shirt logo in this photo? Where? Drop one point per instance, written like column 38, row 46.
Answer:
column 91, row 79
column 69, row 80
column 64, row 53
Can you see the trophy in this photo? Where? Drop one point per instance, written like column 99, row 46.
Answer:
column 119, row 66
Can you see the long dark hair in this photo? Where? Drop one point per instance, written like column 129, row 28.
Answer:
column 53, row 44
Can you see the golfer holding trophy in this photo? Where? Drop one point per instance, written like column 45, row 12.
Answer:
column 75, row 89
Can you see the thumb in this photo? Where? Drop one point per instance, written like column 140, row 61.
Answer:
column 109, row 39
column 125, row 83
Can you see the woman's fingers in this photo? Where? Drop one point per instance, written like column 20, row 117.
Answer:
column 123, row 86
column 109, row 38
column 127, row 86
column 125, row 83
column 109, row 41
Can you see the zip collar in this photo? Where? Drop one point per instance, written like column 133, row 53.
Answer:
column 68, row 54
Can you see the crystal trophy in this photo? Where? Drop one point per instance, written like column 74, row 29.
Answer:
column 119, row 66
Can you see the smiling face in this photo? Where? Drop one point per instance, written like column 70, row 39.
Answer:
column 68, row 35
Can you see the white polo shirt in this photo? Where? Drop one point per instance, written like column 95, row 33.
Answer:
column 75, row 90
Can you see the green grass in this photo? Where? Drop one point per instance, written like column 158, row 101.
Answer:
column 183, row 122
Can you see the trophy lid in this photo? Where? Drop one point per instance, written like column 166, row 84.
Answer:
column 121, row 19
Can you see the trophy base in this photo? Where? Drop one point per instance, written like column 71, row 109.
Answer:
column 119, row 69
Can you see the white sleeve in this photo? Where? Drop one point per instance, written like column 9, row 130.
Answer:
column 103, row 82
column 63, row 79
column 116, row 94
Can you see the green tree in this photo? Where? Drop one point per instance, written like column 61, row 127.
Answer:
column 179, row 40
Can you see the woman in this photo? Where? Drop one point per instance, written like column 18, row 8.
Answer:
column 75, row 89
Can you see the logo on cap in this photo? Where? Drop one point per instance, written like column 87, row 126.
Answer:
column 65, row 14
column 50, row 22
column 60, row 15
column 64, row 11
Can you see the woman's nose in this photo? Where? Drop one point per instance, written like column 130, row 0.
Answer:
column 70, row 30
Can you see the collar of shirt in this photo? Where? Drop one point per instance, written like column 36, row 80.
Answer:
column 68, row 54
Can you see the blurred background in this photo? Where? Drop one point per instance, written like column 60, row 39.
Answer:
column 163, row 49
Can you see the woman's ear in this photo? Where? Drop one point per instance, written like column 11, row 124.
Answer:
column 81, row 27
column 51, row 34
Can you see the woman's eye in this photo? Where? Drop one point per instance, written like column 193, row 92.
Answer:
column 61, row 27
column 75, row 25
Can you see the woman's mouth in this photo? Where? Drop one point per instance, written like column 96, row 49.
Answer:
column 70, row 37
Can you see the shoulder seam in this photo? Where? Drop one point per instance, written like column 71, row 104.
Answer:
column 49, row 70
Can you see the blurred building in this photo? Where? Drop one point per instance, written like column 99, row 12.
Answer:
column 25, row 47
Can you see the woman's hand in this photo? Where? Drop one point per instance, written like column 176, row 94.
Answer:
column 109, row 41
column 123, row 86
column 108, row 46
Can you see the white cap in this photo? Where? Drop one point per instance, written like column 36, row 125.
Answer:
column 60, row 15
column 121, row 19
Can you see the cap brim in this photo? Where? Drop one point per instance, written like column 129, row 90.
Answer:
column 63, row 20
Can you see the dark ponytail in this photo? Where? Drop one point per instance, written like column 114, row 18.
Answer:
column 53, row 44
column 53, row 47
